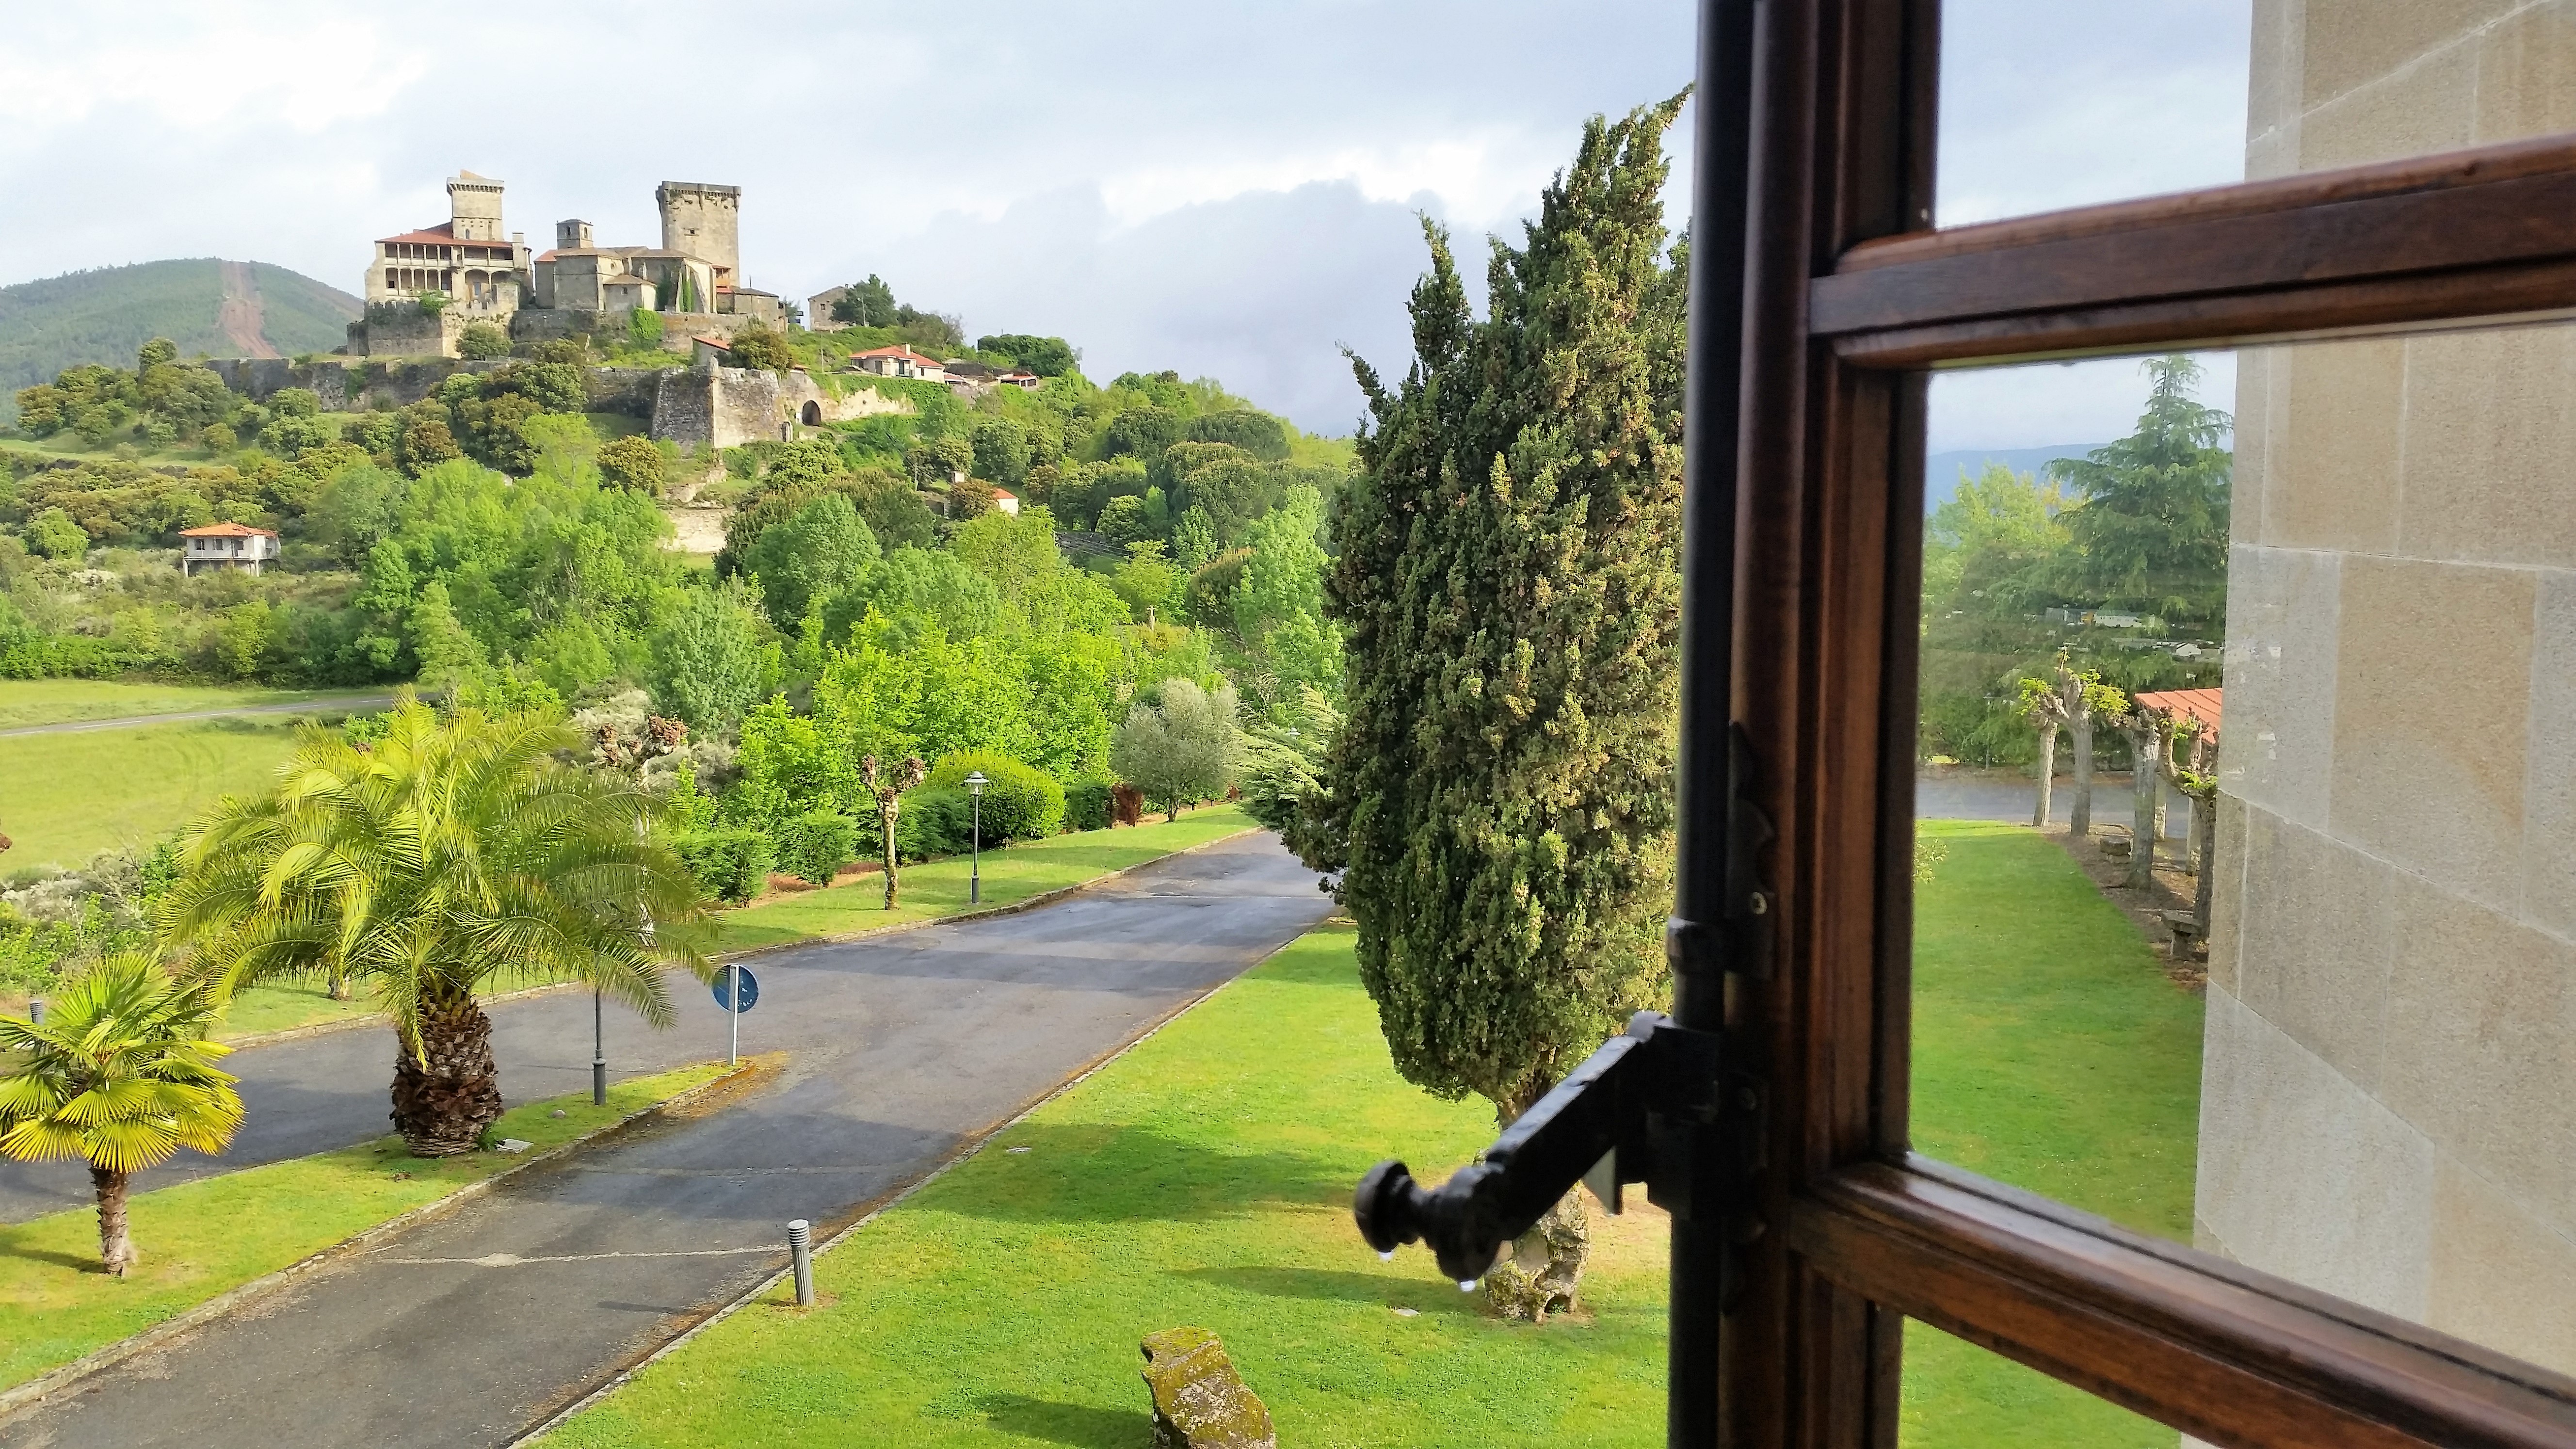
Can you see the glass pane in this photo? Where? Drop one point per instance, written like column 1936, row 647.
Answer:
column 2046, row 106
column 2327, row 1028
column 1959, row 1396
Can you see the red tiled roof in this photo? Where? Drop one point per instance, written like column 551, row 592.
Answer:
column 443, row 234
column 2199, row 704
column 898, row 350
column 226, row 530
column 1006, row 493
column 710, row 339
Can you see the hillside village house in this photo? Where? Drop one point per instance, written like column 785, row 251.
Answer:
column 225, row 546
column 900, row 361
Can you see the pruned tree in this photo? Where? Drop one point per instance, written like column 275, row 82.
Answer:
column 2149, row 738
column 2069, row 701
column 2192, row 765
column 1508, row 571
column 889, row 790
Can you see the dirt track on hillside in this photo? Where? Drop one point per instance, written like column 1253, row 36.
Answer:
column 239, row 319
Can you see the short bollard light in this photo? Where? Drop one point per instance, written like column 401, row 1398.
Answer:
column 36, row 1010
column 800, row 1248
column 975, row 784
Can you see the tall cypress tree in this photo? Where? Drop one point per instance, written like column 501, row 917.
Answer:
column 1502, row 794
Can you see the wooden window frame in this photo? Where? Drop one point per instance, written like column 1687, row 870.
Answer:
column 1803, row 592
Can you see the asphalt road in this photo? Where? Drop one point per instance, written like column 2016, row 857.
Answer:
column 2000, row 795
column 469, row 1328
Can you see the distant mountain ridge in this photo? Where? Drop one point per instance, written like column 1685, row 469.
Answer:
column 204, row 304
column 1941, row 470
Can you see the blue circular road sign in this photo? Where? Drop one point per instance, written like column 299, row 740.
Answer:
column 725, row 989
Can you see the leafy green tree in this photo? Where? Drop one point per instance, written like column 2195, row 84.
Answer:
column 426, row 441
column 758, row 346
column 482, row 342
column 448, row 653
column 633, row 462
column 242, row 643
column 1147, row 580
column 53, row 534
column 1508, row 574
column 1001, row 452
column 121, row 1075
column 865, row 304
column 708, row 662
column 453, row 857
column 895, row 512
column 1126, row 521
column 1193, row 541
column 1284, row 764
column 295, row 402
column 1142, row 432
column 821, row 550
column 155, row 353
column 1256, row 433
column 1182, row 750
column 216, row 438
column 1043, row 356
column 939, row 459
column 2151, row 529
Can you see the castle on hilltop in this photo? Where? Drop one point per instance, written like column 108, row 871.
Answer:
column 424, row 288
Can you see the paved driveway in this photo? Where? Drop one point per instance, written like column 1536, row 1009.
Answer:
column 469, row 1328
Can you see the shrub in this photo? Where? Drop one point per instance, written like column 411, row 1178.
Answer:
column 633, row 462
column 216, row 438
column 1126, row 804
column 815, row 845
column 934, row 822
column 482, row 342
column 1086, row 805
column 644, row 329
column 1021, row 803
column 733, row 864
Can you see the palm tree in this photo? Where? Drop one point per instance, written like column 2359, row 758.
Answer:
column 120, row 1075
column 452, row 856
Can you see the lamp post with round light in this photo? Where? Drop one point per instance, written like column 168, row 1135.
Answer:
column 975, row 784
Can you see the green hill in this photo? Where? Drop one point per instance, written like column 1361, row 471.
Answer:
column 218, row 308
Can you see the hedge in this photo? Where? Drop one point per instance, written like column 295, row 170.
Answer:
column 732, row 864
column 1021, row 803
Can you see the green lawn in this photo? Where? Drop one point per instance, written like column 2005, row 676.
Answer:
column 65, row 797
column 2051, row 1053
column 939, row 888
column 1202, row 1179
column 203, row 1238
column 59, row 701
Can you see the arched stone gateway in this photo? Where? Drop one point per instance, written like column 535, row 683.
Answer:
column 812, row 414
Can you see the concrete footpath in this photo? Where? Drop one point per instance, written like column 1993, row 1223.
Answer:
column 471, row 1327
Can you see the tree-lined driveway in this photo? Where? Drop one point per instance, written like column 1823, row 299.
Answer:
column 467, row 1329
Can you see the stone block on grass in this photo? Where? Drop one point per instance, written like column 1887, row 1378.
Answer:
column 1200, row 1402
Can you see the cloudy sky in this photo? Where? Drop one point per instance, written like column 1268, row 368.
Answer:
column 1225, row 190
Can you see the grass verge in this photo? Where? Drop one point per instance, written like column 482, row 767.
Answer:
column 2052, row 1053
column 1204, row 1178
column 65, row 797
column 204, row 1238
column 939, row 888
column 26, row 702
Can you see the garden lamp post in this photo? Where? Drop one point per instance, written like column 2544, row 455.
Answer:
column 975, row 873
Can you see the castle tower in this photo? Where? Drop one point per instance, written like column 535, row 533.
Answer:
column 702, row 221
column 574, row 235
column 474, row 207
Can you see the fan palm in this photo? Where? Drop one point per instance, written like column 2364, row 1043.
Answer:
column 120, row 1075
column 452, row 856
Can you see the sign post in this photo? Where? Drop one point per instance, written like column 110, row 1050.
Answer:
column 737, row 991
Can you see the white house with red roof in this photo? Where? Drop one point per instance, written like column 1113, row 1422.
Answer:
column 225, row 546
column 900, row 361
